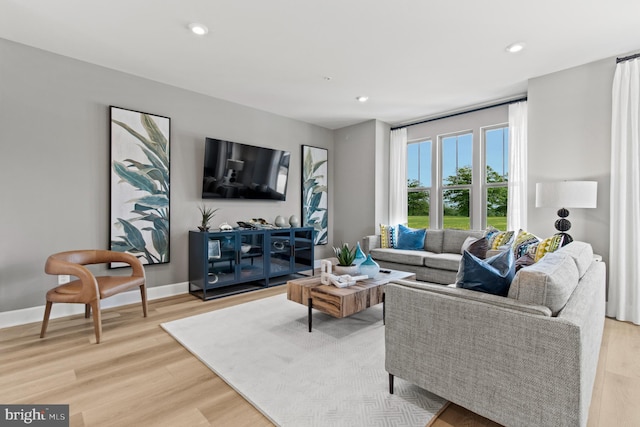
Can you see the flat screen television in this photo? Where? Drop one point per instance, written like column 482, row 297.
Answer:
column 240, row 171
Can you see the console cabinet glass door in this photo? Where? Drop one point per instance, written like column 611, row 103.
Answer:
column 221, row 257
column 280, row 252
column 251, row 265
column 303, row 249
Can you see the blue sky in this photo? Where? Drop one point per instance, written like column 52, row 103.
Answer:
column 419, row 155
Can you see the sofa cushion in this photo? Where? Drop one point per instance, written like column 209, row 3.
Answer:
column 410, row 239
column 453, row 239
column 492, row 275
column 549, row 282
column 582, row 254
column 433, row 241
column 449, row 262
column 400, row 256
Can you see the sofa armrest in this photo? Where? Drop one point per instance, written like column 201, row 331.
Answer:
column 500, row 362
column 370, row 242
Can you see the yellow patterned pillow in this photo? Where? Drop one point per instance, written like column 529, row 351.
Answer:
column 550, row 244
column 387, row 236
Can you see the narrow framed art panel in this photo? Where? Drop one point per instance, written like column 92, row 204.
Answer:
column 140, row 185
column 315, row 192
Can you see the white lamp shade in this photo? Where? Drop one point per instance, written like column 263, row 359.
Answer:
column 567, row 194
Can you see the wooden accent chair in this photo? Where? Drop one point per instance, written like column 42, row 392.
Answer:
column 90, row 289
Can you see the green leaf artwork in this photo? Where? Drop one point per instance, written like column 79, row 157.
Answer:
column 140, row 185
column 315, row 192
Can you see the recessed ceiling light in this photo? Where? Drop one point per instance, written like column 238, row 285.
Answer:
column 362, row 98
column 515, row 47
column 198, row 29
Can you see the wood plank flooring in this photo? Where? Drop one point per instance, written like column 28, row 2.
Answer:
column 140, row 376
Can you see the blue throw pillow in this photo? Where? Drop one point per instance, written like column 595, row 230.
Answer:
column 492, row 275
column 411, row 239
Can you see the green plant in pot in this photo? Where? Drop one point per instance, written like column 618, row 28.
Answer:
column 345, row 256
column 207, row 216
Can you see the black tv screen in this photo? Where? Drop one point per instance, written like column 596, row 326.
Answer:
column 240, row 171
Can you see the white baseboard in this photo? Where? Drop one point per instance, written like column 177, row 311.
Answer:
column 35, row 314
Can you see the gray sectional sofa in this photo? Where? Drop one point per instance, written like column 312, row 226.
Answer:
column 439, row 261
column 528, row 359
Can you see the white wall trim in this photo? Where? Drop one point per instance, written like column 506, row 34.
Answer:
column 35, row 314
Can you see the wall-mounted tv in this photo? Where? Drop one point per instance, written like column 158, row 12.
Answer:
column 240, row 171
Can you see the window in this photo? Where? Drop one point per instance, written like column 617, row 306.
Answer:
column 458, row 170
column 497, row 175
column 419, row 169
column 457, row 177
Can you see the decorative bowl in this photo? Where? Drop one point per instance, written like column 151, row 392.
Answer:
column 245, row 248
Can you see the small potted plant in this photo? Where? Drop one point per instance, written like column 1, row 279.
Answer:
column 345, row 257
column 207, row 216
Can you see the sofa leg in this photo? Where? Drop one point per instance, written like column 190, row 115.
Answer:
column 390, row 383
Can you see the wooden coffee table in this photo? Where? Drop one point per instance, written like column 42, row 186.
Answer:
column 342, row 302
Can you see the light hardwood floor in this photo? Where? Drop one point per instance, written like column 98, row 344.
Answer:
column 140, row 376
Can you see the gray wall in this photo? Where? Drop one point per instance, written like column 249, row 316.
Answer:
column 54, row 167
column 570, row 139
column 355, row 184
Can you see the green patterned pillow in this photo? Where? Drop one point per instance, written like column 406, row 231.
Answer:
column 387, row 236
column 501, row 238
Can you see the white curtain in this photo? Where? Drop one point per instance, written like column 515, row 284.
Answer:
column 398, row 177
column 623, row 301
column 517, row 186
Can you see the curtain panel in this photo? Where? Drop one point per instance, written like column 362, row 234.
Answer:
column 623, row 301
column 398, row 177
column 517, row 185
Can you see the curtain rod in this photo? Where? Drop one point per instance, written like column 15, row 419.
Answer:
column 473, row 110
column 627, row 58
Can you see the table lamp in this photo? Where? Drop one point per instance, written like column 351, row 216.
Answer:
column 563, row 195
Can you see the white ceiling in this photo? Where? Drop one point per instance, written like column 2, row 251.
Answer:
column 413, row 58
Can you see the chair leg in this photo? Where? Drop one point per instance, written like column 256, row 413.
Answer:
column 143, row 294
column 87, row 311
column 45, row 321
column 97, row 320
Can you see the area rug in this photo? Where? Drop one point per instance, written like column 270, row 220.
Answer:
column 333, row 376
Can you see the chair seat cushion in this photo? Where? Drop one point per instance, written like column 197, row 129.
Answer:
column 111, row 285
column 445, row 261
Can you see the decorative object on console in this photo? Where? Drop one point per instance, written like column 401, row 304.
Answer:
column 207, row 215
column 315, row 192
column 563, row 195
column 225, row 227
column 294, row 221
column 140, row 185
column 369, row 267
column 280, row 222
